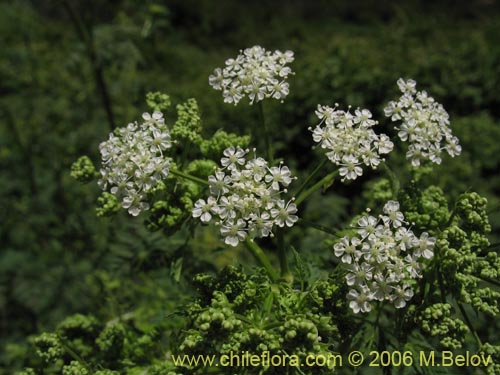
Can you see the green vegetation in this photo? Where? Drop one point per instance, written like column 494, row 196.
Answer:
column 86, row 288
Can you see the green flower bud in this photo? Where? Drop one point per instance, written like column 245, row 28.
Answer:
column 83, row 170
column 158, row 101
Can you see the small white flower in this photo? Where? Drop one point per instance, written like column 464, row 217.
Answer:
column 384, row 144
column 347, row 249
column 401, row 295
column 360, row 300
column 394, row 216
column 233, row 156
column 216, row 80
column 359, row 274
column 133, row 203
column 233, row 232
column 350, row 168
column 367, row 226
column 256, row 169
column 284, row 214
column 413, row 266
column 261, row 225
column 204, row 210
column 406, row 238
column 219, row 182
column 155, row 119
column 381, row 288
column 279, row 176
column 407, row 86
column 425, row 246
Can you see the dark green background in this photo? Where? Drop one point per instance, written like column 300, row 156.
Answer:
column 70, row 71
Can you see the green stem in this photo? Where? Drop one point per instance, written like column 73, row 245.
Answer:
column 189, row 177
column 441, row 285
column 285, row 272
column 493, row 245
column 86, row 35
column 73, row 353
column 392, row 178
column 311, row 176
column 325, row 180
column 451, row 218
column 261, row 257
column 469, row 324
column 267, row 136
column 494, row 282
column 185, row 151
column 322, row 228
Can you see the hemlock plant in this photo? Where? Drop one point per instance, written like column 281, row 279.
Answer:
column 407, row 274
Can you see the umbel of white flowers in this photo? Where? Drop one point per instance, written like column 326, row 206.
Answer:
column 255, row 73
column 245, row 197
column 424, row 124
column 350, row 140
column 133, row 161
column 382, row 258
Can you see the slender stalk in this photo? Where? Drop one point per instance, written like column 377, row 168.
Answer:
column 441, row 285
column 189, row 177
column 493, row 245
column 184, row 153
column 322, row 228
column 73, row 353
column 267, row 135
column 261, row 257
column 491, row 281
column 285, row 272
column 86, row 36
column 395, row 184
column 325, row 180
column 451, row 218
column 311, row 176
column 25, row 151
column 469, row 324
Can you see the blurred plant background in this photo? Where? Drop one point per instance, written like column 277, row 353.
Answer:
column 71, row 71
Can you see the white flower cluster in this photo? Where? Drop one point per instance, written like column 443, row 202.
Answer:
column 246, row 197
column 382, row 258
column 254, row 72
column 425, row 124
column 133, row 161
column 350, row 139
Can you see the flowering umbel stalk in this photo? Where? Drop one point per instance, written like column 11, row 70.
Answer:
column 246, row 199
column 255, row 73
column 425, row 124
column 133, row 161
column 382, row 258
column 350, row 140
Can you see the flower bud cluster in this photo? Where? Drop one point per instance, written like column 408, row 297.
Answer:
column 382, row 258
column 436, row 321
column 49, row 347
column 246, row 197
column 488, row 349
column 239, row 313
column 75, row 368
column 466, row 257
column 425, row 125
column 255, row 73
column 83, row 170
column 133, row 161
column 350, row 139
